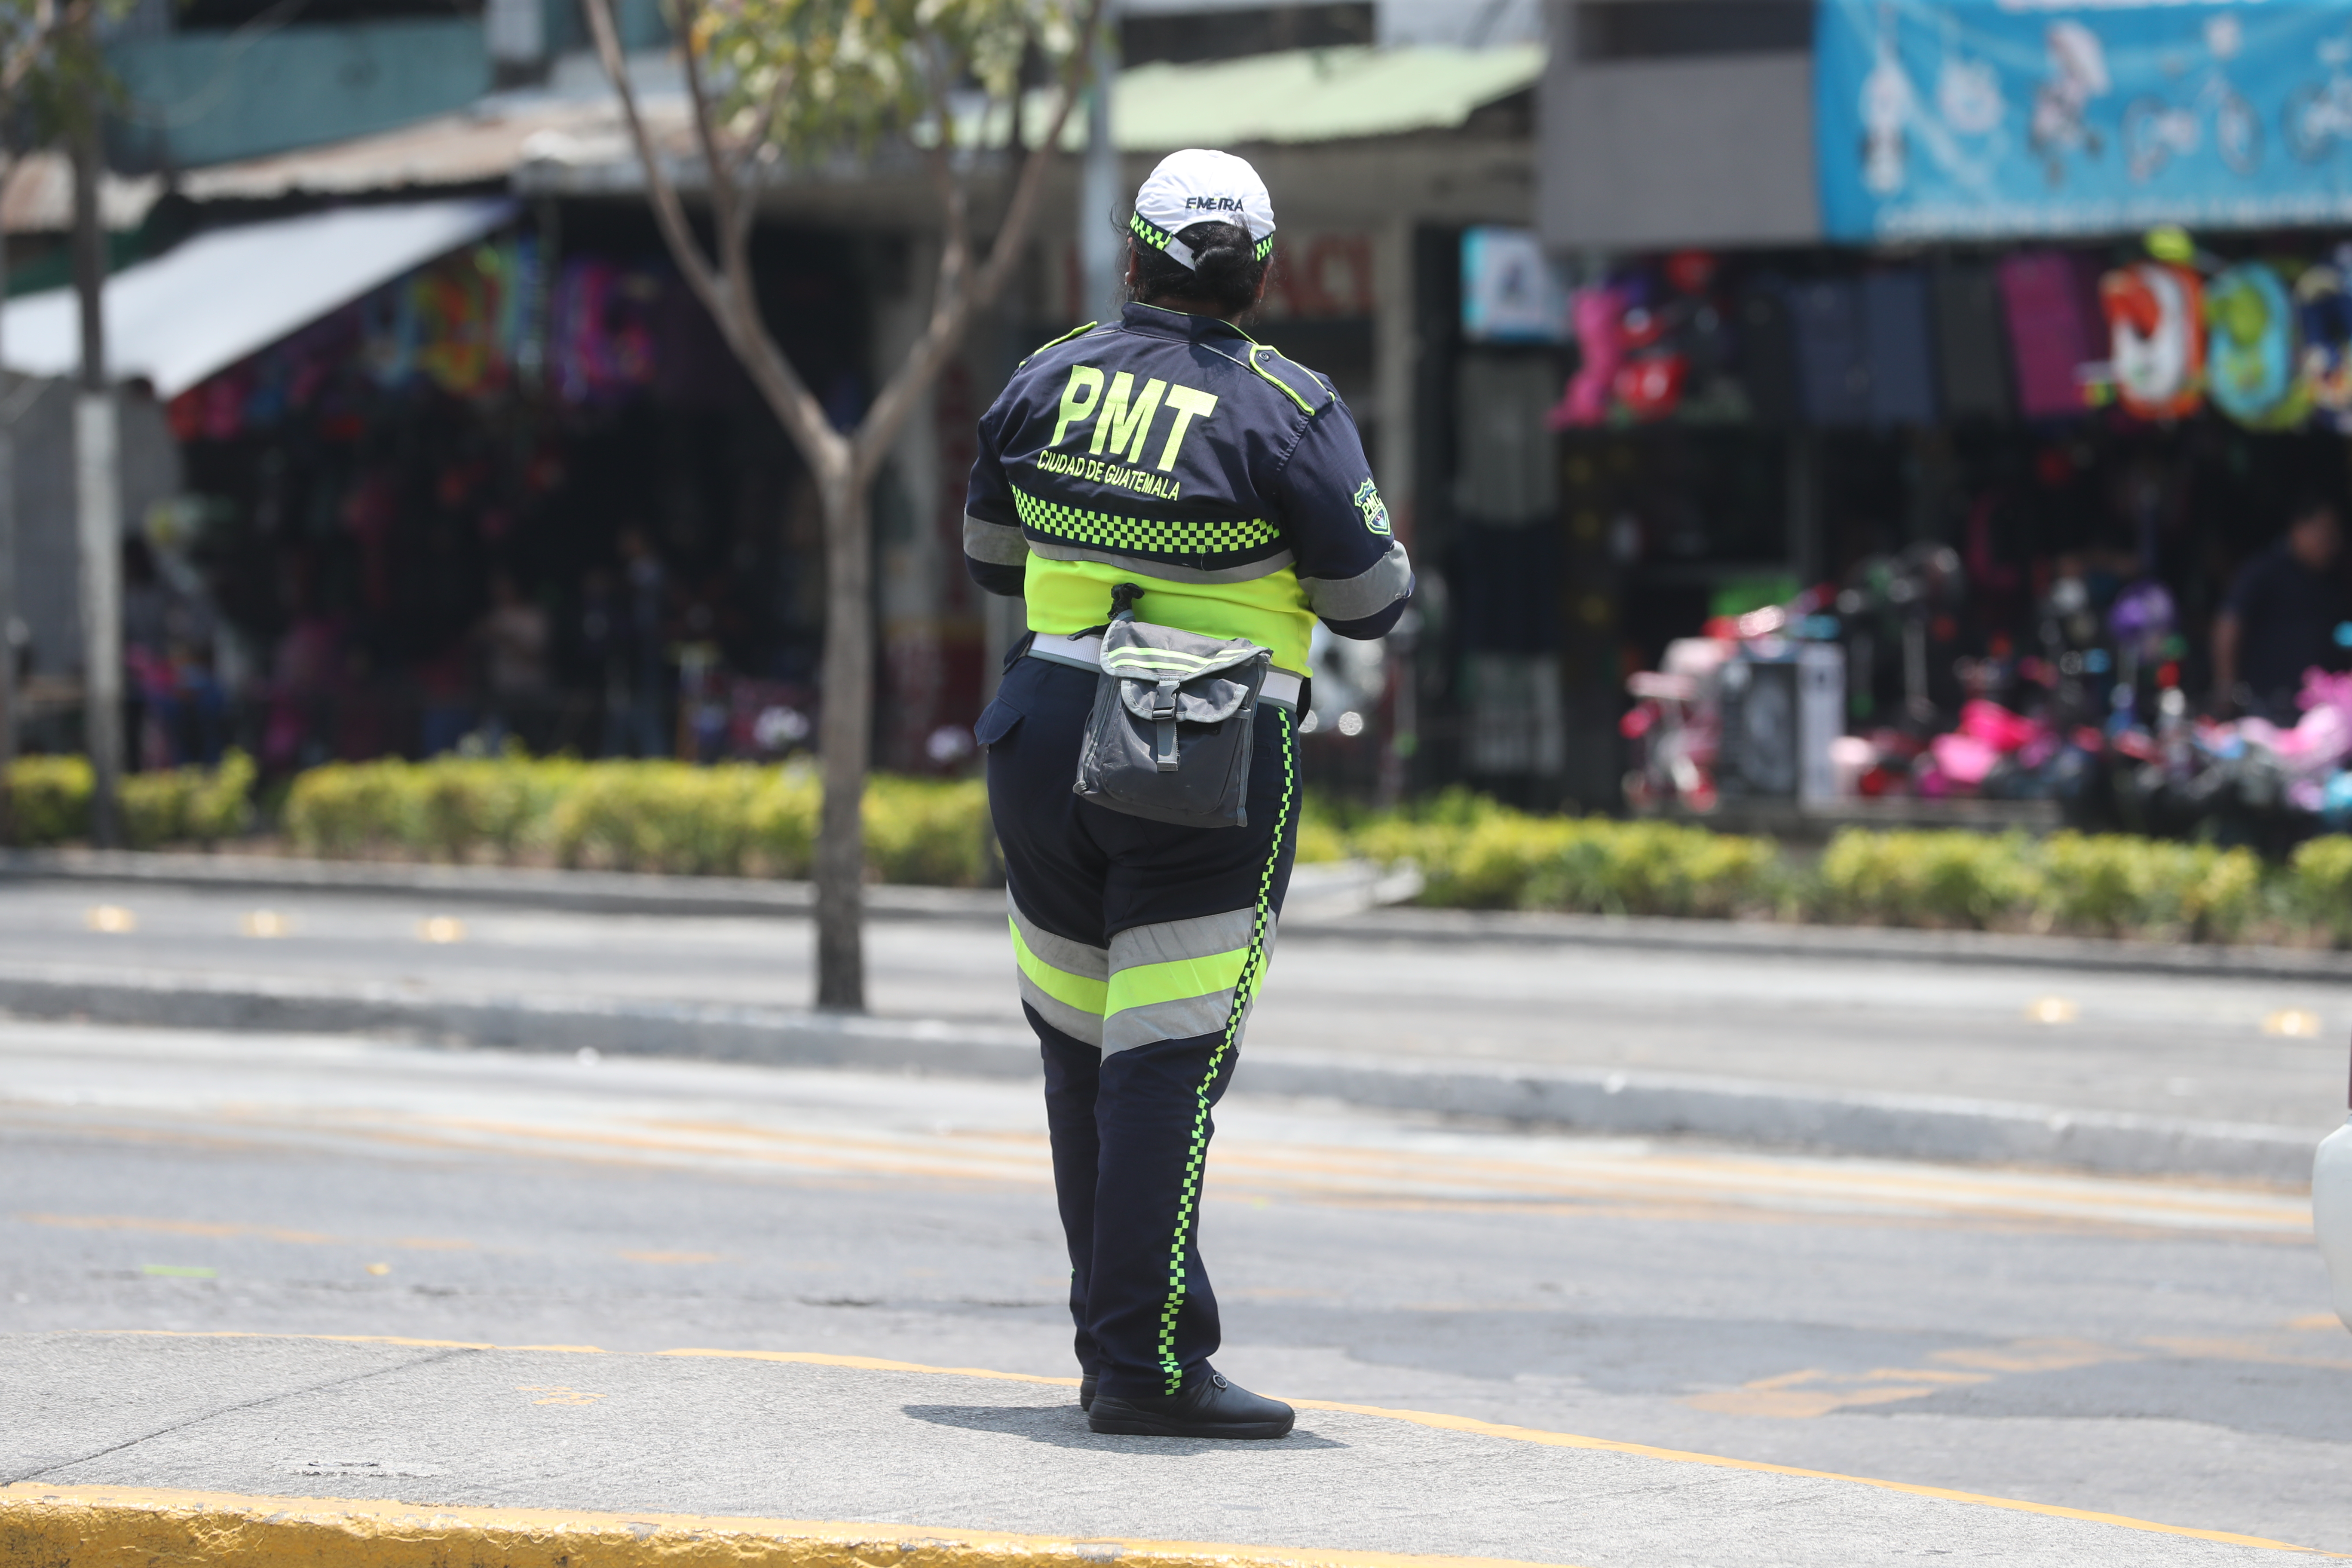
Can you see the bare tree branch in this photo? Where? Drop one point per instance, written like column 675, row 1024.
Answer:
column 731, row 210
column 949, row 315
column 746, row 170
column 723, row 194
column 725, row 290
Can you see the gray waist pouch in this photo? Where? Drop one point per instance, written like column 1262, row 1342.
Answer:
column 1171, row 735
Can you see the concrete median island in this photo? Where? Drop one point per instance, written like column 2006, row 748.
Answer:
column 194, row 1448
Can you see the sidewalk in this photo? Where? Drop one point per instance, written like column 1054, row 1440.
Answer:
column 232, row 1449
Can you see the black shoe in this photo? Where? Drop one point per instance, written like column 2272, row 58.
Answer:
column 1211, row 1407
column 1086, row 1392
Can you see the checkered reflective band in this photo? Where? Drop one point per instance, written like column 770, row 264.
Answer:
column 1145, row 536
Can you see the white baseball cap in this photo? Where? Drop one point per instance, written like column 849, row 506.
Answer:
column 1198, row 185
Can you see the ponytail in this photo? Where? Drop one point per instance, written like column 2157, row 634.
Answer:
column 1226, row 270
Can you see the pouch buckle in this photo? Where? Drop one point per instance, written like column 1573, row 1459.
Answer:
column 1163, row 714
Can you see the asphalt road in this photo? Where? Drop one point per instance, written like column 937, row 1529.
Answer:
column 2160, row 1350
column 2262, row 1051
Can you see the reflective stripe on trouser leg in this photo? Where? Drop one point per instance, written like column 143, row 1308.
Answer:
column 1176, row 980
column 1244, row 991
column 1065, row 981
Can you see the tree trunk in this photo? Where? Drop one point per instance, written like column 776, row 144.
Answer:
column 97, row 504
column 844, row 738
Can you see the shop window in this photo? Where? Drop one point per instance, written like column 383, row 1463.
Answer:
column 1664, row 29
column 1180, row 38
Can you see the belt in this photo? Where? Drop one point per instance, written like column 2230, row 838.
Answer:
column 1281, row 687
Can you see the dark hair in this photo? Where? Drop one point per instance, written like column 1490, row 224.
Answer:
column 2310, row 503
column 1225, row 272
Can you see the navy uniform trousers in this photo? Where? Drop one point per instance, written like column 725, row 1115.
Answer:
column 1141, row 947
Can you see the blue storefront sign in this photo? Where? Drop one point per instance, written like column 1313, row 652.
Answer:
column 1991, row 119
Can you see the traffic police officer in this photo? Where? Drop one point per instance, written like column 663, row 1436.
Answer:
column 1170, row 451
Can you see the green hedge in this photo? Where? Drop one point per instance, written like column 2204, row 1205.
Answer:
column 735, row 819
column 50, row 799
column 739, row 820
column 1477, row 854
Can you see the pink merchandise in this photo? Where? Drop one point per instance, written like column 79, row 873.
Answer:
column 2055, row 328
column 2320, row 739
column 1597, row 316
column 1963, row 758
column 1994, row 726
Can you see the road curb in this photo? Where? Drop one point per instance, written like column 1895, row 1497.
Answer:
column 67, row 1527
column 1326, row 902
column 1895, row 1126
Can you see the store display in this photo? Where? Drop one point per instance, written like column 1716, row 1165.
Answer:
column 2156, row 338
column 604, row 329
column 1511, row 288
column 2046, row 299
column 2324, row 310
column 2250, row 361
column 1833, row 351
column 1901, row 350
column 1598, row 316
column 1972, row 369
column 1650, row 385
column 1767, row 351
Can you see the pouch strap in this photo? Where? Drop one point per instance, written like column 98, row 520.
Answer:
column 1281, row 688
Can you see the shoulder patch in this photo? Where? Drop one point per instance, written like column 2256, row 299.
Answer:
column 1374, row 510
column 1298, row 384
column 1079, row 332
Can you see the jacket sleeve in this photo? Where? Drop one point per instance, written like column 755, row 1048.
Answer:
column 1355, row 575
column 994, row 553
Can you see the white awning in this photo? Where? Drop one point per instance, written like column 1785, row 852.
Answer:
column 225, row 294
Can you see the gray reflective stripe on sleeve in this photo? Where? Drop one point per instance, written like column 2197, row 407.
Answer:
column 1368, row 593
column 1250, row 571
column 998, row 543
column 1175, row 980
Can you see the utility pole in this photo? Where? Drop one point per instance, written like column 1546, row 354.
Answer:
column 1101, row 243
column 97, row 504
column 8, row 566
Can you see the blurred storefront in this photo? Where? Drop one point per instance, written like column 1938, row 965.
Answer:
column 1981, row 429
column 512, row 485
column 458, row 470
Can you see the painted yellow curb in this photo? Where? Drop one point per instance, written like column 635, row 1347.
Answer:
column 109, row 1527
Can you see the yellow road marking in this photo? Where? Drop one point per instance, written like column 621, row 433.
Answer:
column 557, row 1393
column 1818, row 1390
column 1430, row 1419
column 2243, row 1350
column 1678, row 1456
column 127, row 1523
